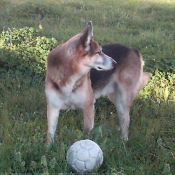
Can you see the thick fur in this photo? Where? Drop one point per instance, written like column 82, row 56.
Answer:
column 121, row 84
column 68, row 84
column 75, row 78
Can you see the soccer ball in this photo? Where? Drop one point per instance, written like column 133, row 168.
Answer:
column 84, row 156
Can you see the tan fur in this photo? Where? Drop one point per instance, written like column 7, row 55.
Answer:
column 75, row 77
column 68, row 84
column 123, row 83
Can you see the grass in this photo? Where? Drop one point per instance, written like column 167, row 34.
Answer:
column 147, row 25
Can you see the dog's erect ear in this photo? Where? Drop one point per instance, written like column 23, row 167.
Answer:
column 87, row 36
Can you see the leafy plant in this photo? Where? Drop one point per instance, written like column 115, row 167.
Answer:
column 23, row 54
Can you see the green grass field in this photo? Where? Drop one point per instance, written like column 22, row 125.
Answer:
column 29, row 29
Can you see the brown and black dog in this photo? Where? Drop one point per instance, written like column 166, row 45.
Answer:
column 121, row 84
column 80, row 71
column 68, row 84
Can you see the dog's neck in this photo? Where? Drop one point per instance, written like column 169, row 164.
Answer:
column 71, row 83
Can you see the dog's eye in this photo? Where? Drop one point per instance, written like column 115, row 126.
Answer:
column 99, row 52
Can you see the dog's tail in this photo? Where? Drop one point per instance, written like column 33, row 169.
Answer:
column 146, row 76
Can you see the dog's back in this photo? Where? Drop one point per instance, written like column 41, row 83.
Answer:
column 122, row 83
column 128, row 71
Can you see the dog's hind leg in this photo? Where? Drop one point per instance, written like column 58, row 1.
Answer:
column 122, row 99
column 52, row 120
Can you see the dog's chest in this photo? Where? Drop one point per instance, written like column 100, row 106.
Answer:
column 74, row 101
column 71, row 96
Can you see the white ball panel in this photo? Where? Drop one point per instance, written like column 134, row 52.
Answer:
column 100, row 157
column 93, row 152
column 75, row 147
column 90, row 164
column 74, row 168
column 71, row 156
column 80, row 165
column 82, row 154
column 88, row 144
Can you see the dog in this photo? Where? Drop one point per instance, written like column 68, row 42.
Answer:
column 67, row 83
column 80, row 71
column 121, row 84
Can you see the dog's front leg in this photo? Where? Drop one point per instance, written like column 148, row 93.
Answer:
column 88, row 112
column 52, row 120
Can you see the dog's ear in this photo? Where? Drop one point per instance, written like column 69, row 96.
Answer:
column 87, row 36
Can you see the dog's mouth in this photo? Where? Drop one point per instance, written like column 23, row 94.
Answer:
column 106, row 64
column 99, row 68
column 103, row 68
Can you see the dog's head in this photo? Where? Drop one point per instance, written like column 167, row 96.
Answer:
column 86, row 52
column 93, row 55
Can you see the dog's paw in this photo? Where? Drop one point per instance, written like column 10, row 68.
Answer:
column 49, row 142
column 125, row 138
column 119, row 128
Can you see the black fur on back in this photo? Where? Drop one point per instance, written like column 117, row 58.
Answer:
column 116, row 51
